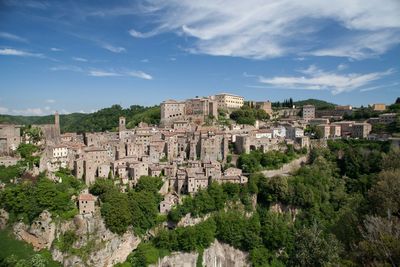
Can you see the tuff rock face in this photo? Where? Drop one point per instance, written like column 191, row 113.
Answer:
column 223, row 255
column 103, row 247
column 218, row 254
column 95, row 244
column 40, row 234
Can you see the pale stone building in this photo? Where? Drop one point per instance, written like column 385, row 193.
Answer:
column 10, row 138
column 172, row 110
column 379, row 107
column 361, row 130
column 229, row 101
column 86, row 203
column 266, row 106
column 308, row 112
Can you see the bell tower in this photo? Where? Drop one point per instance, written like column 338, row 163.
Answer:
column 122, row 122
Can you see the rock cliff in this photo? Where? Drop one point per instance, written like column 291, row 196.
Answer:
column 218, row 254
column 95, row 245
column 40, row 234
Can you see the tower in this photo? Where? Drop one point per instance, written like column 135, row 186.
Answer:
column 57, row 126
column 122, row 124
column 57, row 119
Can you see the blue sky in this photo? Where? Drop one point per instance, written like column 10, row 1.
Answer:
column 79, row 56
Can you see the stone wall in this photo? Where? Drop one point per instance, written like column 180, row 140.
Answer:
column 287, row 168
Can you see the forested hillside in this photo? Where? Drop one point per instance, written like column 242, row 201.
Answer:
column 102, row 120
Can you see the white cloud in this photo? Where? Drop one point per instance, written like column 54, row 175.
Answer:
column 379, row 87
column 55, row 49
column 12, row 37
column 361, row 46
column 317, row 79
column 80, row 59
column 3, row 110
column 19, row 53
column 245, row 74
column 268, row 28
column 140, row 74
column 114, row 49
column 50, row 101
column 29, row 112
column 145, row 60
column 114, row 73
column 342, row 67
column 137, row 34
column 67, row 68
column 101, row 73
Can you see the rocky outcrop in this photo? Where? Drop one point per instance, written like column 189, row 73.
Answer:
column 282, row 208
column 218, row 254
column 178, row 259
column 40, row 234
column 3, row 219
column 188, row 220
column 103, row 247
column 287, row 168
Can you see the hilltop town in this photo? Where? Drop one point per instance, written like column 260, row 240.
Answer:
column 189, row 147
column 199, row 143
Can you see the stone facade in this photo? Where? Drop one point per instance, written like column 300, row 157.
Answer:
column 10, row 138
column 229, row 101
column 86, row 204
column 308, row 112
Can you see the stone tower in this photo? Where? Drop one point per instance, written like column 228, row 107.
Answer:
column 56, row 119
column 122, row 124
column 57, row 123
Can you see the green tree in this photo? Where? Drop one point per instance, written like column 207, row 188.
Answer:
column 313, row 248
column 116, row 212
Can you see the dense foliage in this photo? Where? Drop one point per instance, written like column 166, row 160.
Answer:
column 319, row 104
column 256, row 160
column 248, row 115
column 27, row 199
column 341, row 209
column 138, row 207
column 214, row 198
column 102, row 120
column 28, row 155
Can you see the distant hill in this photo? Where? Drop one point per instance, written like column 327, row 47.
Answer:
column 319, row 104
column 102, row 120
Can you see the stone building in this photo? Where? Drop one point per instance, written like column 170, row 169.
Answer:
column 308, row 112
column 10, row 138
column 172, row 110
column 378, row 107
column 329, row 130
column 265, row 105
column 51, row 132
column 360, row 130
column 229, row 101
column 86, row 204
column 259, row 139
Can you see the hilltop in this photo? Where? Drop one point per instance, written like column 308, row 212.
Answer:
column 105, row 119
column 319, row 104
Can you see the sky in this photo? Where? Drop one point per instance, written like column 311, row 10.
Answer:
column 80, row 56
